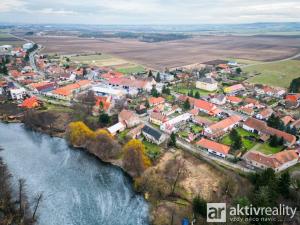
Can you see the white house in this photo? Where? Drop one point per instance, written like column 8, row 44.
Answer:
column 173, row 124
column 17, row 93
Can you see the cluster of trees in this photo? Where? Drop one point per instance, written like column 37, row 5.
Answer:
column 295, row 85
column 15, row 208
column 135, row 159
column 3, row 67
column 99, row 142
column 154, row 92
column 166, row 90
column 276, row 141
column 236, row 140
column 194, row 95
column 275, row 122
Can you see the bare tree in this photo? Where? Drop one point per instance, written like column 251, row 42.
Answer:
column 37, row 201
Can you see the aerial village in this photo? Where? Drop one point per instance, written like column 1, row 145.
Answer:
column 209, row 110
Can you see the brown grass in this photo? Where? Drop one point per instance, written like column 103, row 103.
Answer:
column 180, row 52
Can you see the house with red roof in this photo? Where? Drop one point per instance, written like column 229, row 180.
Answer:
column 234, row 100
column 157, row 118
column 220, row 128
column 67, row 92
column 132, row 84
column 234, row 89
column 264, row 114
column 201, row 105
column 30, row 103
column 278, row 162
column 103, row 103
column 293, row 97
column 129, row 118
column 260, row 127
column 214, row 148
column 153, row 101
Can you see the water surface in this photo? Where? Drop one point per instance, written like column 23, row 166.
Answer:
column 77, row 188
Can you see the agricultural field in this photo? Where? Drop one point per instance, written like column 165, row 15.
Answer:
column 8, row 39
column 105, row 60
column 177, row 53
column 275, row 74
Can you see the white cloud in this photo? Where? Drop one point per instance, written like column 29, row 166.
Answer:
column 10, row 5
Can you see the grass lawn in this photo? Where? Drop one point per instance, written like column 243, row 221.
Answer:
column 196, row 129
column 185, row 91
column 183, row 133
column 243, row 133
column 153, row 150
column 131, row 69
column 122, row 135
column 57, row 108
column 267, row 149
column 275, row 74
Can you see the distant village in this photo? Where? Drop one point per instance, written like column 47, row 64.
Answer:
column 209, row 109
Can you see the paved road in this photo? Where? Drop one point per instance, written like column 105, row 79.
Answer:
column 194, row 150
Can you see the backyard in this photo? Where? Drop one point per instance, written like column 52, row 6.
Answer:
column 247, row 143
column 152, row 150
column 265, row 148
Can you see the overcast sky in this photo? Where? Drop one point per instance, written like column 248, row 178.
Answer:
column 149, row 11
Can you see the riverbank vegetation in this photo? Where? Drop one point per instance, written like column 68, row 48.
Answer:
column 15, row 208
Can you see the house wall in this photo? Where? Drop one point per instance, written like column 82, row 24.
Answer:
column 155, row 121
column 206, row 86
column 152, row 139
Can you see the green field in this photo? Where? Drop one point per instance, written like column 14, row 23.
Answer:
column 131, row 69
column 105, row 60
column 275, row 74
column 185, row 90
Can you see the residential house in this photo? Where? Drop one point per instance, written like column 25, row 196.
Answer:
column 141, row 109
column 42, row 87
column 132, row 84
column 202, row 121
column 103, row 103
column 153, row 135
column 220, row 128
column 296, row 124
column 153, row 101
column 207, row 84
column 157, row 118
column 17, row 93
column 247, row 110
column 234, row 89
column 287, row 120
column 201, row 105
column 69, row 91
column 278, row 162
column 264, row 114
column 135, row 132
column 214, row 147
column 234, row 100
column 167, row 77
column 172, row 125
column 129, row 118
column 218, row 99
column 260, row 127
column 116, row 128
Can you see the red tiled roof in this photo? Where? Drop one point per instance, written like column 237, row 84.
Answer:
column 105, row 102
column 234, row 99
column 264, row 128
column 68, row 89
column 272, row 161
column 158, row 116
column 224, row 124
column 30, row 103
column 155, row 101
column 208, row 144
column 293, row 97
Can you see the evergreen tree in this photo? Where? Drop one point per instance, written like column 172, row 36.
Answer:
column 104, row 118
column 154, row 92
column 284, row 184
column 197, row 95
column 172, row 140
column 147, row 105
column 295, row 86
column 199, row 206
column 150, row 74
column 158, row 79
column 187, row 105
